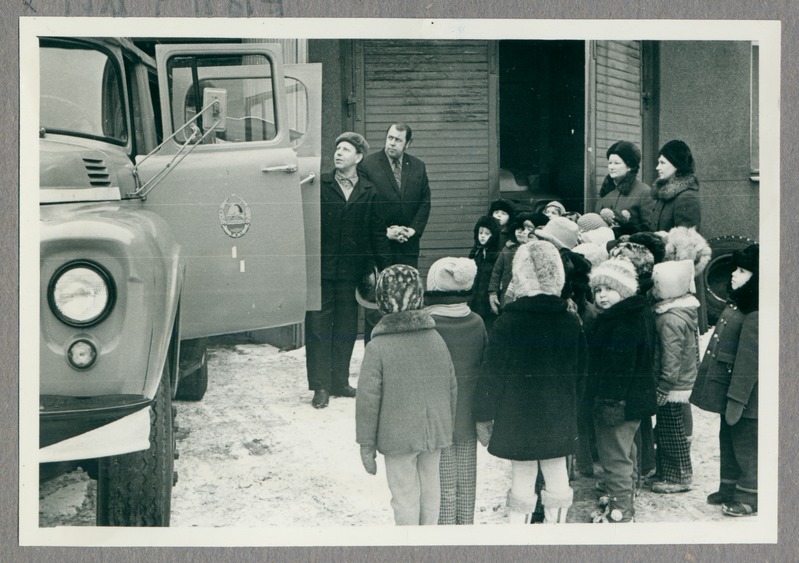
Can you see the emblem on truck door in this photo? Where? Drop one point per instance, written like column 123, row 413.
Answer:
column 234, row 215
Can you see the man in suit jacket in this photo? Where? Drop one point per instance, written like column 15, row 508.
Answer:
column 403, row 193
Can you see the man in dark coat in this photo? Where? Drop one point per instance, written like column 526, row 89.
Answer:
column 353, row 233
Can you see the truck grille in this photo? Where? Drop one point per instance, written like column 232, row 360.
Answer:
column 97, row 171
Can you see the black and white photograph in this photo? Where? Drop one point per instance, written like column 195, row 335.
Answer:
column 320, row 282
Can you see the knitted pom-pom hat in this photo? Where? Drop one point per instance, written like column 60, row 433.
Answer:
column 591, row 221
column 451, row 275
column 616, row 273
column 537, row 268
column 399, row 288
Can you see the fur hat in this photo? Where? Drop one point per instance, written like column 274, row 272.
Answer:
column 576, row 269
column 558, row 205
column 678, row 153
column 365, row 290
column 560, row 231
column 673, row 279
column 399, row 288
column 653, row 242
column 616, row 273
column 684, row 243
column 638, row 254
column 748, row 258
column 505, row 205
column 591, row 221
column 488, row 222
column 538, row 219
column 628, row 152
column 451, row 274
column 601, row 236
column 594, row 253
column 537, row 268
column 355, row 139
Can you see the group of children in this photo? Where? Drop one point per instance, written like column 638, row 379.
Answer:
column 553, row 339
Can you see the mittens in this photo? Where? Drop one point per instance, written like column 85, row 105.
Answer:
column 484, row 430
column 493, row 300
column 368, row 455
column 662, row 398
column 733, row 412
column 609, row 412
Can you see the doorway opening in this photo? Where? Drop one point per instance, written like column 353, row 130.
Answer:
column 542, row 123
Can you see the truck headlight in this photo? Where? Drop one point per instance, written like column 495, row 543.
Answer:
column 81, row 293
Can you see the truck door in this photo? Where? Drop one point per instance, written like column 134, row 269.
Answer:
column 234, row 200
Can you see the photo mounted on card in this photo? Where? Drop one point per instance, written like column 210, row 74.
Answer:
column 297, row 278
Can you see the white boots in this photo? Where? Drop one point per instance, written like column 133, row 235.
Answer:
column 556, row 506
column 520, row 511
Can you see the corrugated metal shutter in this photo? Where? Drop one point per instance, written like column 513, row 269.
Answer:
column 618, row 99
column 441, row 89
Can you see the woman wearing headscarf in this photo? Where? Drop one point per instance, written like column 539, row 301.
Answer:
column 627, row 199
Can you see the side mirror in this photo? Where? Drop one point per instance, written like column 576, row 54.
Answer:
column 216, row 117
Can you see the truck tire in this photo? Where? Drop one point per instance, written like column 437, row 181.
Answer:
column 716, row 276
column 135, row 489
column 192, row 387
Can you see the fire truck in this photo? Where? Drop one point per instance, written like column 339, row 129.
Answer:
column 177, row 202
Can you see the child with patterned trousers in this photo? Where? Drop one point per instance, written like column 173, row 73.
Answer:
column 449, row 284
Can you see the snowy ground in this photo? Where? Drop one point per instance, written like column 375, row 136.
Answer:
column 255, row 453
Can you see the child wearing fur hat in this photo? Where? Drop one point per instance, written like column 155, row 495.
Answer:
column 727, row 384
column 501, row 275
column 504, row 211
column 526, row 400
column 484, row 253
column 449, row 283
column 621, row 385
column 407, row 391
column 675, row 308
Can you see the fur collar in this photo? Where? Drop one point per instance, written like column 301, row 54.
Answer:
column 671, row 188
column 404, row 321
column 625, row 186
column 684, row 301
column 630, row 306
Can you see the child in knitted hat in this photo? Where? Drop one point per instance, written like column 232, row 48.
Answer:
column 502, row 272
column 554, row 209
column 675, row 308
column 484, row 253
column 593, row 228
column 527, row 393
column 621, row 384
column 405, row 407
column 449, row 283
column 727, row 383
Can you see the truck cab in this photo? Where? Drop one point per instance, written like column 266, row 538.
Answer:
column 177, row 202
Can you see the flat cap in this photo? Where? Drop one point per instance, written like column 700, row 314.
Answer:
column 355, row 139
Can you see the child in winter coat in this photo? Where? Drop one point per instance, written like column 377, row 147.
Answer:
column 526, row 400
column 405, row 405
column 504, row 211
column 675, row 309
column 621, row 385
column 449, row 283
column 727, row 384
column 484, row 253
column 502, row 273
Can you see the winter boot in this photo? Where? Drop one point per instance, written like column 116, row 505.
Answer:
column 556, row 506
column 725, row 493
column 520, row 511
column 618, row 510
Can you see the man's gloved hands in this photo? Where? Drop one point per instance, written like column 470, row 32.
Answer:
column 368, row 455
column 484, row 430
column 733, row 412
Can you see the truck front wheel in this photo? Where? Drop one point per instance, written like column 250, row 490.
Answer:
column 136, row 489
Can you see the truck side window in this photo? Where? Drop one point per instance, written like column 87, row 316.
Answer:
column 297, row 98
column 247, row 79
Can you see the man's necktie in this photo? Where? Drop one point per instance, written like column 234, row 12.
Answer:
column 396, row 166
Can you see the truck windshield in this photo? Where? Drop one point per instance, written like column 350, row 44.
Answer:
column 81, row 94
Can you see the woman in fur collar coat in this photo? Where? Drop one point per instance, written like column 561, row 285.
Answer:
column 675, row 311
column 676, row 191
column 407, row 393
column 629, row 199
column 527, row 394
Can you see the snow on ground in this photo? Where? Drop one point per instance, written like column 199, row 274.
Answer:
column 255, row 453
